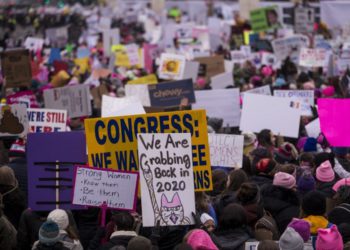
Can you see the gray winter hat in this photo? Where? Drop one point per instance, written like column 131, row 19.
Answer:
column 291, row 240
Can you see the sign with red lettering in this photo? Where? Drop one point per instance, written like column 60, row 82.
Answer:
column 47, row 120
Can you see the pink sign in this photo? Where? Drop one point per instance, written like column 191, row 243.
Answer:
column 334, row 120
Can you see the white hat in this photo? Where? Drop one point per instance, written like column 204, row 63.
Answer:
column 206, row 217
column 60, row 217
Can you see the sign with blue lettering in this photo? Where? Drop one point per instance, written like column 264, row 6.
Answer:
column 171, row 93
column 51, row 161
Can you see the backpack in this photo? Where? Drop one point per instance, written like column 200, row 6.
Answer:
column 266, row 228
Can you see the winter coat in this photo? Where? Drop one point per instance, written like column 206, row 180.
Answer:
column 87, row 224
column 282, row 203
column 345, row 163
column 58, row 246
column 326, row 188
column 340, row 214
column 261, row 180
column 119, row 238
column 253, row 212
column 7, row 234
column 233, row 239
column 19, row 167
column 222, row 201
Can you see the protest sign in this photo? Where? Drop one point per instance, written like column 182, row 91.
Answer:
column 132, row 51
column 264, row 19
column 16, row 68
column 264, row 90
column 93, row 187
column 238, row 56
column 269, row 112
column 222, row 81
column 57, row 36
column 51, row 158
column 110, row 37
column 112, row 106
column 149, row 79
column 150, row 52
column 74, row 99
column 191, row 70
column 166, row 176
column 211, row 66
column 34, row 43
column 246, row 6
column 112, row 142
column 47, row 120
column 171, row 93
column 171, row 66
column 333, row 115
column 226, row 150
column 220, row 103
column 268, row 59
column 313, row 128
column 139, row 90
column 229, row 66
column 304, row 19
column 23, row 97
column 313, row 57
column 289, row 46
column 305, row 96
column 13, row 120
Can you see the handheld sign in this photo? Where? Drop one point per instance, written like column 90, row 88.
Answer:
column 47, row 120
column 226, row 150
column 16, row 68
column 93, row 187
column 306, row 98
column 112, row 142
column 172, row 66
column 13, row 120
column 313, row 57
column 264, row 19
column 167, row 190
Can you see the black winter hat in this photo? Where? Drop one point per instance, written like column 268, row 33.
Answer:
column 314, row 203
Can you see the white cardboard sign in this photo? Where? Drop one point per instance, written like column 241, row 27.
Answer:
column 222, row 81
column 172, row 66
column 112, row 106
column 269, row 112
column 93, row 187
column 47, row 120
column 305, row 96
column 313, row 129
column 220, row 103
column 313, row 57
column 226, row 150
column 166, row 176
column 289, row 46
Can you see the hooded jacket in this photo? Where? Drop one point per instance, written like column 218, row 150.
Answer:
column 282, row 203
column 119, row 238
column 233, row 239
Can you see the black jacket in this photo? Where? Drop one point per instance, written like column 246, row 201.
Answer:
column 120, row 240
column 340, row 214
column 222, row 201
column 282, row 203
column 19, row 167
column 326, row 188
column 233, row 239
column 261, row 180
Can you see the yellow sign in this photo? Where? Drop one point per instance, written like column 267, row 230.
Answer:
column 122, row 57
column 149, row 79
column 82, row 64
column 112, row 142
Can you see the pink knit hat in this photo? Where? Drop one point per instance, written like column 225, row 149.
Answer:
column 325, row 172
column 328, row 91
column 342, row 182
column 201, row 82
column 329, row 239
column 200, row 240
column 284, row 180
column 267, row 71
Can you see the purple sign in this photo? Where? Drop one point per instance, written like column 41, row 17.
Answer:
column 51, row 160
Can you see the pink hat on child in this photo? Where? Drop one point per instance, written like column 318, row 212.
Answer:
column 200, row 240
column 325, row 172
column 284, row 180
column 329, row 239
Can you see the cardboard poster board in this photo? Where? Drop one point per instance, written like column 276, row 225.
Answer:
column 226, row 150
column 51, row 158
column 112, row 106
column 211, row 66
column 171, row 66
column 93, row 187
column 166, row 176
column 47, row 120
column 112, row 142
column 305, row 96
column 16, row 68
column 264, row 19
column 304, row 19
column 289, row 46
column 13, row 120
column 222, row 81
column 313, row 57
column 171, row 93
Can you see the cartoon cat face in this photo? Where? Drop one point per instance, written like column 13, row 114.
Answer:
column 172, row 212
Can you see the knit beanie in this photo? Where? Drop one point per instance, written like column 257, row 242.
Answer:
column 340, row 183
column 49, row 233
column 200, row 240
column 328, row 91
column 249, row 139
column 291, row 240
column 302, row 227
column 60, row 217
column 329, row 239
column 314, row 203
column 325, row 172
column 286, row 153
column 306, row 182
column 139, row 242
column 310, row 145
column 18, row 149
column 284, row 180
column 206, row 217
column 265, row 165
column 7, row 176
column 340, row 151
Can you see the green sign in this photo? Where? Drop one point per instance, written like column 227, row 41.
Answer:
column 264, row 19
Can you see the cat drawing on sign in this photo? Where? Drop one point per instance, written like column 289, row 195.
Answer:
column 172, row 212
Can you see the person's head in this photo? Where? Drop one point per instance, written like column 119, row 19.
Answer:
column 233, row 216
column 123, row 221
column 284, row 180
column 219, row 181
column 343, row 195
column 208, row 222
column 202, row 201
column 265, row 166
column 306, row 182
column 268, row 245
column 199, row 239
column 306, row 159
column 329, row 238
column 60, row 217
column 302, row 227
column 139, row 242
column 344, row 230
column 287, row 168
column 291, row 240
column 340, row 152
column 266, row 138
column 325, row 172
column 49, row 233
column 7, row 177
column 235, row 179
column 313, row 203
column 248, row 193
